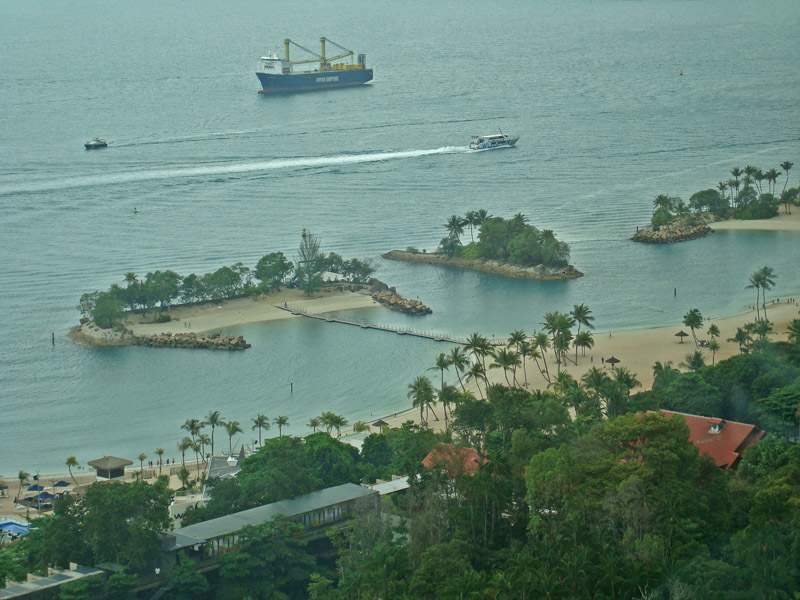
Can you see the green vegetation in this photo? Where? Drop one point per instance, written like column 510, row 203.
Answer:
column 579, row 491
column 741, row 197
column 506, row 240
column 160, row 289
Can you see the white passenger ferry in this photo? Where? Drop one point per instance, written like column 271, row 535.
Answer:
column 490, row 142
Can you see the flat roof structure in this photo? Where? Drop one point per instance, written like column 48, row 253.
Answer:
column 389, row 487
column 221, row 527
column 55, row 578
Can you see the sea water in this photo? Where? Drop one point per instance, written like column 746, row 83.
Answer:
column 220, row 174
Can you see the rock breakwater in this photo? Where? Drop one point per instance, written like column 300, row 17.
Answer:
column 670, row 235
column 394, row 301
column 89, row 334
column 539, row 272
column 192, row 340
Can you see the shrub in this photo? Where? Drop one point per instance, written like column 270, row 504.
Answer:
column 412, row 250
column 163, row 318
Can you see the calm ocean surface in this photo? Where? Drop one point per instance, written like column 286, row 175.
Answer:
column 221, row 174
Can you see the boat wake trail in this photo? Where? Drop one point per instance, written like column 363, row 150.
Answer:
column 287, row 164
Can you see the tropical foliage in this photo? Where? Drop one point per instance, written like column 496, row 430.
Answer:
column 507, row 240
column 161, row 289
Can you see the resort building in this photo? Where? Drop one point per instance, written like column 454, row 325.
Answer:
column 724, row 441
column 110, row 467
column 453, row 460
column 315, row 511
column 46, row 587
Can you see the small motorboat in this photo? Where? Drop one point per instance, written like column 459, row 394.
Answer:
column 95, row 144
column 491, row 142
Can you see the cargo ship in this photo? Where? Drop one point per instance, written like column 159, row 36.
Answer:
column 277, row 74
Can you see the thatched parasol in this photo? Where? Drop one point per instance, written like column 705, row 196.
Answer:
column 612, row 361
column 380, row 423
column 682, row 334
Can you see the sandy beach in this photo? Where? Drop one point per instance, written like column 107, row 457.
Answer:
column 213, row 317
column 782, row 222
column 637, row 350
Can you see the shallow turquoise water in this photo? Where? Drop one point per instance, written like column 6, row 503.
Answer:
column 221, row 174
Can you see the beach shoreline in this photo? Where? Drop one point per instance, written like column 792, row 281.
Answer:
column 782, row 222
column 214, row 317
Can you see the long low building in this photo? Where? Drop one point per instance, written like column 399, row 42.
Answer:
column 315, row 510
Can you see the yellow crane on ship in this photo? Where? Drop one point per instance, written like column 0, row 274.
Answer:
column 323, row 60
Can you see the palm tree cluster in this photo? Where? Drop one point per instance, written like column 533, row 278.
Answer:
column 743, row 193
column 510, row 240
column 330, row 421
column 762, row 280
column 470, row 363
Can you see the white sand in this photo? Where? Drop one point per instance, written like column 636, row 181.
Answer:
column 780, row 223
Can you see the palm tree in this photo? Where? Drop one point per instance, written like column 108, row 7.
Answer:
column 767, row 279
column 260, row 422
column 183, row 446
column 713, row 331
column 214, row 419
column 583, row 339
column 477, row 372
column 583, row 316
column 626, row 379
column 338, row 422
column 442, row 364
column 360, row 427
column 458, row 358
column 664, row 374
column 447, row 395
column 786, row 165
column 204, row 440
column 455, row 227
column 541, row 343
column 479, row 346
column 159, row 452
column 421, row 393
column 793, row 332
column 713, row 345
column 505, row 359
column 72, row 462
column 762, row 328
column 693, row 320
column 232, row 428
column 743, row 338
column 525, row 350
column 755, row 282
column 193, row 427
column 281, row 421
column 23, row 477
column 694, row 361
column 473, row 220
column 142, row 456
column 595, row 381
column 314, row 423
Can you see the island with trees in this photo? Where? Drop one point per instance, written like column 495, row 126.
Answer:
column 742, row 197
column 509, row 247
column 106, row 313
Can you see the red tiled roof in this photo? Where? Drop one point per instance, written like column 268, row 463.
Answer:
column 453, row 459
column 724, row 441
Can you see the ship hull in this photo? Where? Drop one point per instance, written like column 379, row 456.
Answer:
column 312, row 81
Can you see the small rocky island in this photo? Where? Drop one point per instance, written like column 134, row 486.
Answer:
column 671, row 234
column 394, row 301
column 507, row 247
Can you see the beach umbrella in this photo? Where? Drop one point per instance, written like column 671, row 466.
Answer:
column 682, row 334
column 380, row 423
column 612, row 361
column 61, row 484
column 44, row 496
column 35, row 488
